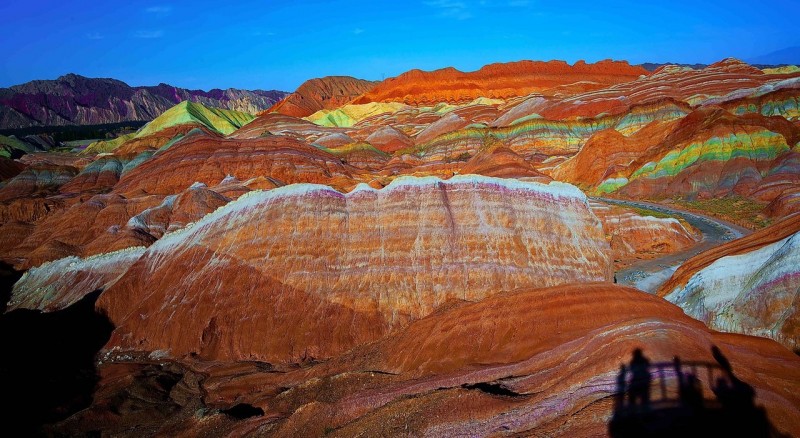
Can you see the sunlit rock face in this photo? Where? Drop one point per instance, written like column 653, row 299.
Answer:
column 329, row 271
column 751, row 285
column 501, row 80
column 209, row 160
column 321, row 93
column 61, row 283
column 635, row 236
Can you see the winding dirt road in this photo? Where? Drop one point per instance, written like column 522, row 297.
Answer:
column 648, row 275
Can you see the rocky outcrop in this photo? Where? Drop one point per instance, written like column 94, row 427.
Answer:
column 502, row 81
column 177, row 211
column 9, row 168
column 59, row 284
column 317, row 94
column 708, row 153
column 263, row 264
column 751, row 285
column 535, row 361
column 633, row 236
column 37, row 180
column 502, row 162
column 77, row 100
column 208, row 160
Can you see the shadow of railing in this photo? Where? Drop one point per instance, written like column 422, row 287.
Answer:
column 685, row 399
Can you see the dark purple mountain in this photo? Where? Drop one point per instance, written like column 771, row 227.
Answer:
column 76, row 100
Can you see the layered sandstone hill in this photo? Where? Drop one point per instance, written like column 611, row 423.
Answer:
column 76, row 100
column 633, row 236
column 502, row 80
column 261, row 264
column 209, row 159
column 532, row 362
column 109, row 222
column 9, row 168
column 750, row 285
column 59, row 284
column 710, row 152
column 170, row 126
column 720, row 83
column 317, row 94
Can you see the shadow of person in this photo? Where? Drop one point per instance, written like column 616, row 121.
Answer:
column 737, row 399
column 639, row 390
column 685, row 411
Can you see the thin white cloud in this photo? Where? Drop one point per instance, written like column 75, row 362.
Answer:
column 95, row 36
column 519, row 3
column 451, row 8
column 358, row 30
column 148, row 34
column 159, row 9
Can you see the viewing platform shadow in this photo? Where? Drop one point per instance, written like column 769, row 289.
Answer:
column 685, row 399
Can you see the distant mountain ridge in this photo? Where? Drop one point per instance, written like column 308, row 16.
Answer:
column 77, row 100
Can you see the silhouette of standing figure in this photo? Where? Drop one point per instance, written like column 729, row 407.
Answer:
column 622, row 377
column 639, row 392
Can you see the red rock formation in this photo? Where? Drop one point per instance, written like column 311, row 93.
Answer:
column 541, row 361
column 9, row 168
column 288, row 126
column 321, row 93
column 609, row 153
column 84, row 229
column 785, row 204
column 331, row 271
column 175, row 212
column 502, row 80
column 447, row 123
column 29, row 209
column 389, row 139
column 209, row 160
column 716, row 84
column 98, row 177
column 633, row 236
column 501, row 162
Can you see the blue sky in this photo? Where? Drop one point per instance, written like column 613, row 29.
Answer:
column 279, row 44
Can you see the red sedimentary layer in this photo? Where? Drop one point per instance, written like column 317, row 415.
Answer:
column 332, row 271
column 84, row 229
column 679, row 84
column 502, row 162
column 9, row 168
column 502, row 80
column 321, row 93
column 633, row 236
column 608, row 153
column 209, row 160
column 535, row 361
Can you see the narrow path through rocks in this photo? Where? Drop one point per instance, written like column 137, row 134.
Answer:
column 649, row 275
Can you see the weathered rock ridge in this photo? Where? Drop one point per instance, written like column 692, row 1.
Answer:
column 329, row 271
column 751, row 285
column 322, row 93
